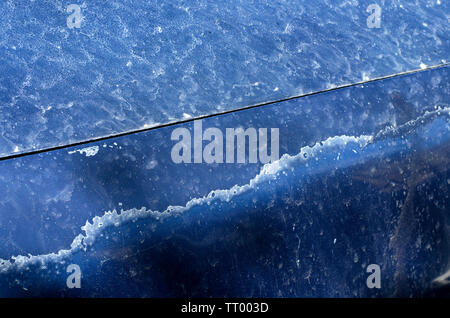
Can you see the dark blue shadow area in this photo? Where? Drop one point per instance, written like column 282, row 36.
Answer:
column 364, row 180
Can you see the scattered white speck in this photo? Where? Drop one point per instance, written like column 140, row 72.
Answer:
column 44, row 110
column 129, row 64
column 288, row 29
column 334, row 242
column 331, row 86
column 186, row 115
column 16, row 149
column 151, row 164
column 88, row 152
column 423, row 66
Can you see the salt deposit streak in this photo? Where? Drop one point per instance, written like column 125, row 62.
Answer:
column 113, row 218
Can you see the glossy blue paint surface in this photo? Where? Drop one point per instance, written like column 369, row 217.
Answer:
column 134, row 64
column 364, row 180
